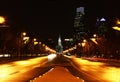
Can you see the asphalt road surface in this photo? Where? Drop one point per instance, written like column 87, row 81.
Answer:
column 89, row 71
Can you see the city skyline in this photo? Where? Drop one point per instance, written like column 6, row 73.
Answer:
column 48, row 19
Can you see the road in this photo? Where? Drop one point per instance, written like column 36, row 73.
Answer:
column 93, row 71
column 24, row 70
column 89, row 71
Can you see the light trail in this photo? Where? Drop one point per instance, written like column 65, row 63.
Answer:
column 12, row 71
column 98, row 70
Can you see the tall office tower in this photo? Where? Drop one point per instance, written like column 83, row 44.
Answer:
column 59, row 47
column 101, row 27
column 79, row 27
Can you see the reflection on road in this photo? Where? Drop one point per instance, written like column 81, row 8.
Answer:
column 98, row 70
column 13, row 70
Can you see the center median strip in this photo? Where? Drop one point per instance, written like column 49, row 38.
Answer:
column 57, row 74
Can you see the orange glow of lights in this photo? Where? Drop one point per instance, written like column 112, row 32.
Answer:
column 112, row 74
column 116, row 28
column 83, row 44
column 94, row 40
column 79, row 44
column 2, row 20
column 22, row 62
column 84, row 41
column 19, row 67
column 118, row 21
column 51, row 57
column 86, row 62
column 3, row 73
column 25, row 38
column 34, row 39
column 24, row 33
column 35, row 43
column 94, row 35
column 99, row 70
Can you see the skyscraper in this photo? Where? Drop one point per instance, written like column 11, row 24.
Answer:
column 59, row 47
column 79, row 27
column 101, row 27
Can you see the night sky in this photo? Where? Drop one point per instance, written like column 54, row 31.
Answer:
column 48, row 19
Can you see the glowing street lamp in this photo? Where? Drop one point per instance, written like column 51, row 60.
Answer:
column 94, row 35
column 94, row 40
column 118, row 22
column 117, row 27
column 35, row 43
column 34, row 39
column 26, row 39
column 2, row 24
column 2, row 20
column 24, row 33
column 84, row 41
column 83, row 44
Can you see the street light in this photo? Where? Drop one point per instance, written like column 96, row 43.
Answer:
column 118, row 22
column 2, row 24
column 34, row 39
column 24, row 34
column 117, row 25
column 94, row 35
column 2, row 20
column 21, row 38
column 116, row 28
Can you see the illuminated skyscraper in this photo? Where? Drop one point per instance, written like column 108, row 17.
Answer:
column 79, row 27
column 101, row 27
column 59, row 47
column 59, row 41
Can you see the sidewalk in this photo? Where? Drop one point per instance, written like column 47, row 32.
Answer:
column 57, row 74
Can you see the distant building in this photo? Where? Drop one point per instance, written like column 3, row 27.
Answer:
column 79, row 26
column 68, row 43
column 59, row 47
column 101, row 27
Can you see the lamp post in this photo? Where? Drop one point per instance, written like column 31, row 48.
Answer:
column 2, row 19
column 117, row 27
column 2, row 29
column 117, row 39
column 20, row 42
column 3, row 22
